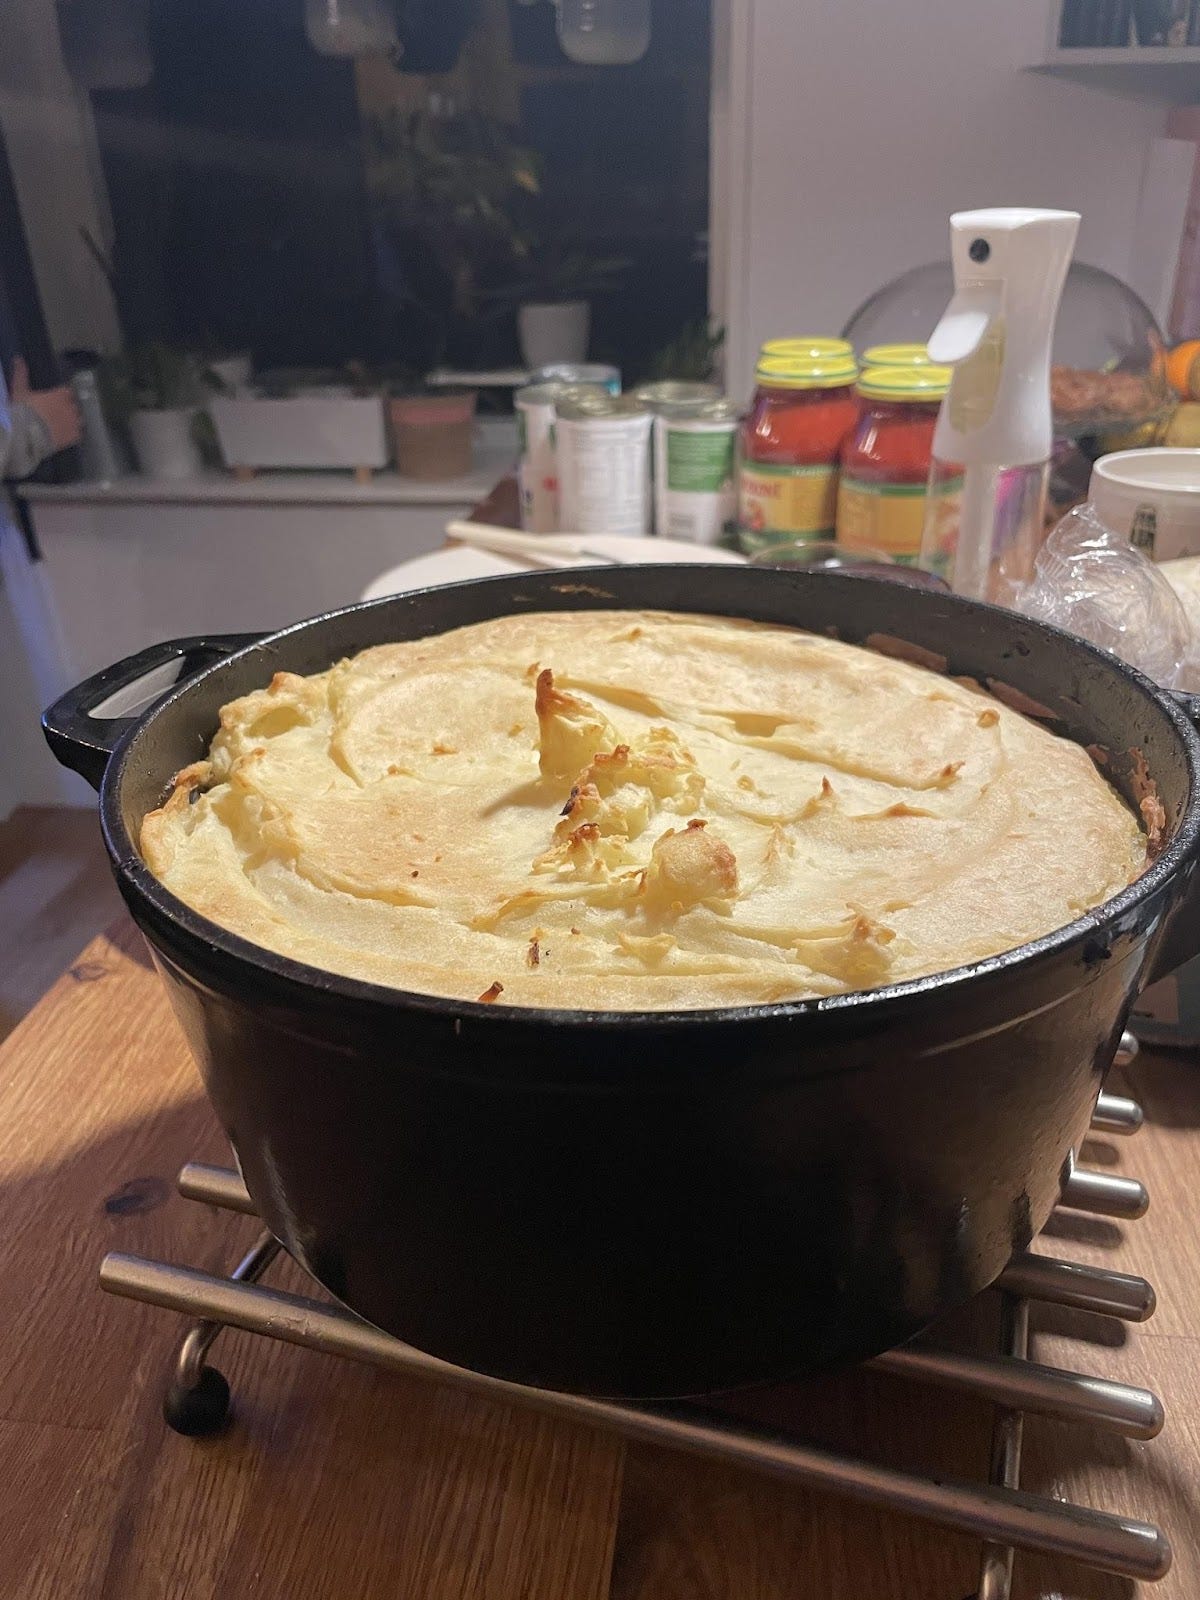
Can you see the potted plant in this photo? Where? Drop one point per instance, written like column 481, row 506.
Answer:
column 554, row 293
column 157, row 395
column 446, row 189
column 303, row 419
column 432, row 432
column 694, row 354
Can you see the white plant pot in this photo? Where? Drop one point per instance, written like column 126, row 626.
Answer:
column 550, row 333
column 163, row 443
column 332, row 428
column 235, row 372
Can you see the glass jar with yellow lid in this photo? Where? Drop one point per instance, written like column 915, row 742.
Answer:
column 885, row 461
column 895, row 355
column 804, row 406
column 804, row 344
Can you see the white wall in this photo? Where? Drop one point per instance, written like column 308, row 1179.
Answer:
column 29, row 775
column 844, row 135
column 51, row 141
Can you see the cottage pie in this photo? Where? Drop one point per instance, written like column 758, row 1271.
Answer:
column 637, row 811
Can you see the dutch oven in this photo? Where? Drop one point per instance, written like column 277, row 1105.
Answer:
column 651, row 1204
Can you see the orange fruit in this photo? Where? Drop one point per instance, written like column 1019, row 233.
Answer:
column 1183, row 370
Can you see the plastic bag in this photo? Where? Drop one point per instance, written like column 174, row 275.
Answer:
column 1094, row 583
column 1183, row 574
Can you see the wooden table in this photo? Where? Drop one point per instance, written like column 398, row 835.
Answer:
column 339, row 1483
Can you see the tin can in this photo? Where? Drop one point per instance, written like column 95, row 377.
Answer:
column 572, row 372
column 695, row 470
column 674, row 392
column 537, row 465
column 603, row 444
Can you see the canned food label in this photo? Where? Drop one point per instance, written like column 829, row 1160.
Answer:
column 881, row 516
column 604, row 474
column 699, row 463
column 537, row 473
column 788, row 502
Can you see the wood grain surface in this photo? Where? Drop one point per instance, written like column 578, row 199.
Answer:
column 56, row 893
column 338, row 1481
column 502, row 508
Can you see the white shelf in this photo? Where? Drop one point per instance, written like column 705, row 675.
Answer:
column 452, row 378
column 1166, row 73
column 495, row 453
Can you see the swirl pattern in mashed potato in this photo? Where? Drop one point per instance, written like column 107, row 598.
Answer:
column 637, row 811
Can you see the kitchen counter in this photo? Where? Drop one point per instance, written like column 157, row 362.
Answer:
column 337, row 1482
column 493, row 456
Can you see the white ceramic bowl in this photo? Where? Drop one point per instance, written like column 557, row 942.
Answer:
column 1152, row 497
column 459, row 562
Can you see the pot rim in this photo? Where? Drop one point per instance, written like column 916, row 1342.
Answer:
column 299, row 978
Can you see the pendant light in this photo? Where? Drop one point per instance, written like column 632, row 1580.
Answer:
column 604, row 33
column 351, row 27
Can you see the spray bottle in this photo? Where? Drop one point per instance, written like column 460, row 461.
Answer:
column 994, row 436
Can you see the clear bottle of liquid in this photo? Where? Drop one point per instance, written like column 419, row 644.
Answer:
column 984, row 520
column 100, row 456
column 604, row 33
column 1012, row 500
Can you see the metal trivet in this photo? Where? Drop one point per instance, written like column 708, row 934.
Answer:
column 999, row 1512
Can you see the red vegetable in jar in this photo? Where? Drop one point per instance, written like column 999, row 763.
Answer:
column 803, row 408
column 885, row 460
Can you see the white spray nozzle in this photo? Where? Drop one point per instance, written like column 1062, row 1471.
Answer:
column 995, row 426
column 1009, row 268
column 964, row 323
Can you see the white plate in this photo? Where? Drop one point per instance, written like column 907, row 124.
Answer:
column 453, row 565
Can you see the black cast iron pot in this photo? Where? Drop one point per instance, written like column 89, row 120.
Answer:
column 658, row 1203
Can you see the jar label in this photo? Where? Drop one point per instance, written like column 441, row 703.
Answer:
column 888, row 517
column 787, row 502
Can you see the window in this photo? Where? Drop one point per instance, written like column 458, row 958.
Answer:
column 316, row 210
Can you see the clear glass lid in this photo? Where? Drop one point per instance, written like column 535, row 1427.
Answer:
column 1109, row 371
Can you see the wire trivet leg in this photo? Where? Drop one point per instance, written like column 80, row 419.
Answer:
column 996, row 1568
column 197, row 1398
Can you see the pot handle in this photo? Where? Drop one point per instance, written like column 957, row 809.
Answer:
column 84, row 727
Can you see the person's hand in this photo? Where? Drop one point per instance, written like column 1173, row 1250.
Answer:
column 57, row 408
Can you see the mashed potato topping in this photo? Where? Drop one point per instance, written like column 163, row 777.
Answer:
column 637, row 811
